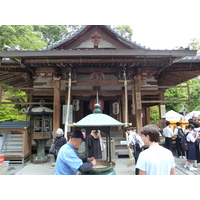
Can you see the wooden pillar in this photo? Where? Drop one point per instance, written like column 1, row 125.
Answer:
column 123, row 110
column 162, row 112
column 29, row 98
column 138, row 103
column 56, row 106
column 0, row 93
column 147, row 115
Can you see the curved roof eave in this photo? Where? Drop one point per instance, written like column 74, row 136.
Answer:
column 123, row 39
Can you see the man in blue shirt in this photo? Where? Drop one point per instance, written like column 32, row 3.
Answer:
column 68, row 163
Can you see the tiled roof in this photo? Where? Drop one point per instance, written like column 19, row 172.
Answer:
column 14, row 125
column 192, row 59
column 125, row 40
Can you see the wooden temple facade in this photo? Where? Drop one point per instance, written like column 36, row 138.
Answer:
column 128, row 78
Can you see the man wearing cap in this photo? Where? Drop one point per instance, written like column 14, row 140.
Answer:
column 68, row 163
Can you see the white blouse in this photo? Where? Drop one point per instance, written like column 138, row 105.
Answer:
column 190, row 137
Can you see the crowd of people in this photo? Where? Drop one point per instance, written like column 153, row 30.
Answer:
column 192, row 153
column 151, row 158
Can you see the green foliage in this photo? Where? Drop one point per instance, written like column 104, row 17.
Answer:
column 8, row 112
column 54, row 33
column 12, row 112
column 154, row 114
column 194, row 104
column 23, row 35
column 175, row 94
column 195, row 44
column 125, row 30
column 33, row 37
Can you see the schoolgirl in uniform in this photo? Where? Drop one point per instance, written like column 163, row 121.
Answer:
column 191, row 153
column 197, row 142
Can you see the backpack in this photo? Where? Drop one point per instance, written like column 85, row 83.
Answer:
column 180, row 133
column 184, row 142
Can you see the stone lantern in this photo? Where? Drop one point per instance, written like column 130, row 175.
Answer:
column 41, row 130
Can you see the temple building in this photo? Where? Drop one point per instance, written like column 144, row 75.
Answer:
column 96, row 60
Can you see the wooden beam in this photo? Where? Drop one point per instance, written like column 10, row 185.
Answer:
column 26, row 103
column 156, row 86
column 101, row 61
column 102, row 52
column 164, row 101
column 97, row 83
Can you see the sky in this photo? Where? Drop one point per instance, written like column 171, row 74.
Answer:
column 168, row 35
column 156, row 24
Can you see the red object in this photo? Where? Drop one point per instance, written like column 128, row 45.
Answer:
column 1, row 158
column 94, row 101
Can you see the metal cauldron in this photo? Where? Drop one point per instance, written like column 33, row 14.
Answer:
column 102, row 167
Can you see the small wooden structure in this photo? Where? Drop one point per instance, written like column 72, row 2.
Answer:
column 15, row 141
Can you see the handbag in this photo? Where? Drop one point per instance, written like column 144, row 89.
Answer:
column 52, row 149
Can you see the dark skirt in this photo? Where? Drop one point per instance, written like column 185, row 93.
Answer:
column 191, row 153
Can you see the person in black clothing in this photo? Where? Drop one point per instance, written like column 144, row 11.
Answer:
column 59, row 141
column 180, row 150
column 93, row 144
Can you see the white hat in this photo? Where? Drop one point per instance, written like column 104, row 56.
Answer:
column 59, row 132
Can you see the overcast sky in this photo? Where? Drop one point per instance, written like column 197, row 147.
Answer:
column 156, row 24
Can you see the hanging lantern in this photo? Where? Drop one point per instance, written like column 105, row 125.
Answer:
column 76, row 104
column 94, row 101
column 115, row 108
column 133, row 109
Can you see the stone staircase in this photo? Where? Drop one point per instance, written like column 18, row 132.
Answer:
column 120, row 147
column 12, row 148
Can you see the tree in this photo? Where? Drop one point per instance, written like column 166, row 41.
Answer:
column 176, row 94
column 28, row 37
column 54, row 33
column 154, row 114
column 125, row 30
column 11, row 112
column 194, row 103
column 23, row 35
column 195, row 44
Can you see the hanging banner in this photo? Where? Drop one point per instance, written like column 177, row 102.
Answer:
column 115, row 107
column 76, row 104
column 162, row 111
column 94, row 101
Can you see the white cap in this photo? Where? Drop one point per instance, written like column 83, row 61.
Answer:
column 59, row 132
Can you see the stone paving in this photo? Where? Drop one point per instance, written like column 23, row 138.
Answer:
column 180, row 170
column 120, row 168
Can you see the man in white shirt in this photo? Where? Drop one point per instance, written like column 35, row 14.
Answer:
column 168, row 133
column 156, row 160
